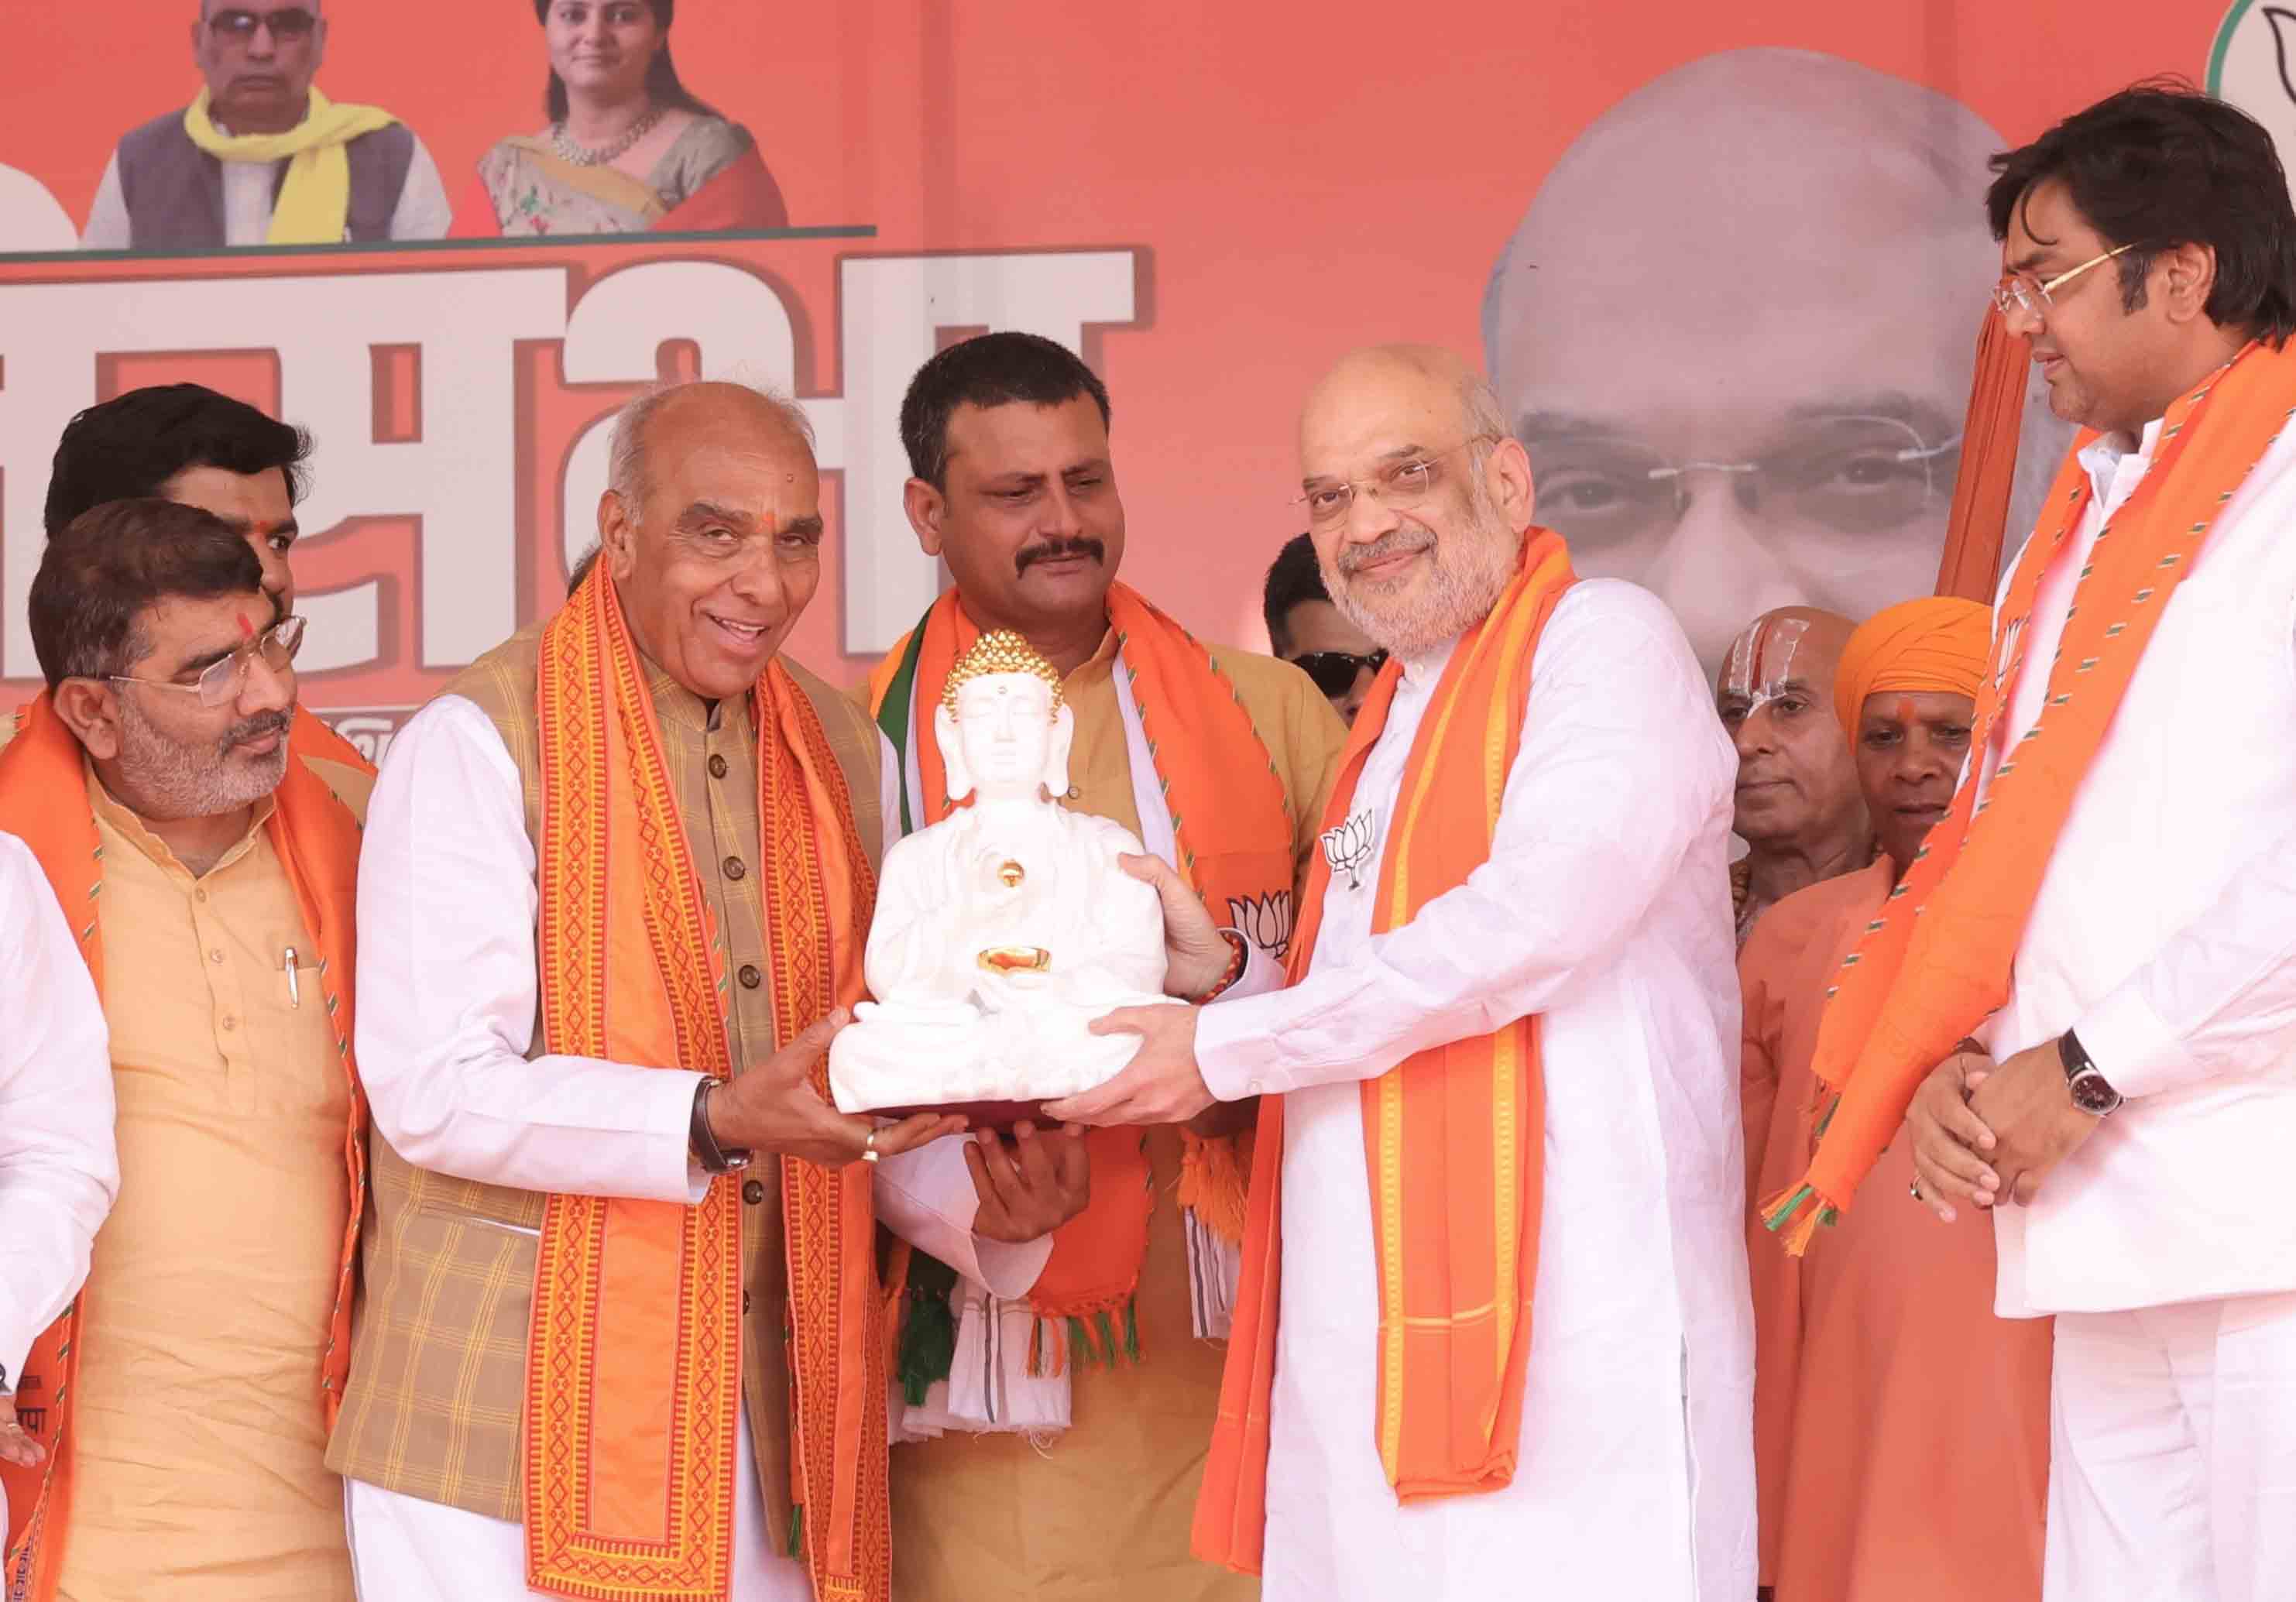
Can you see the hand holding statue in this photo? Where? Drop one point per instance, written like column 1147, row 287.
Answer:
column 774, row 1108
column 1005, row 929
column 1031, row 1185
column 16, row 1443
column 1196, row 954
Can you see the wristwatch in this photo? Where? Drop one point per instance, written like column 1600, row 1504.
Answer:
column 713, row 1158
column 2090, row 1091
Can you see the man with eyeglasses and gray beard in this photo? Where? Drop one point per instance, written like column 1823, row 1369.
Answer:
column 1686, row 340
column 1493, row 1319
column 206, row 870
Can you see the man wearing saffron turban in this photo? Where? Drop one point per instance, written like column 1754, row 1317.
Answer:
column 1877, row 1354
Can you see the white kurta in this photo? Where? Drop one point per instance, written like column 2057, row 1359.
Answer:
column 2164, row 932
column 1605, row 907
column 58, row 1171
column 2164, row 936
column 448, row 988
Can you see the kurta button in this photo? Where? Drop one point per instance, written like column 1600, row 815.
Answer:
column 750, row 977
column 734, row 869
column 745, row 1301
column 230, row 1021
column 717, row 767
column 753, row 1191
column 216, row 955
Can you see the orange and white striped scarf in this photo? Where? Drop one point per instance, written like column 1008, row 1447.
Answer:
column 634, row 1360
column 1935, row 962
column 1453, row 1136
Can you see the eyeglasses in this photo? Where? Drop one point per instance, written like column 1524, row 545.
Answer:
column 292, row 23
column 1402, row 485
column 1334, row 671
column 1852, row 475
column 2023, row 292
column 220, row 682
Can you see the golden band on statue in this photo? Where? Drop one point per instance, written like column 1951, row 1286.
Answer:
column 1016, row 959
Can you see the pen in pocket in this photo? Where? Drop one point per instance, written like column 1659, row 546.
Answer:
column 294, row 981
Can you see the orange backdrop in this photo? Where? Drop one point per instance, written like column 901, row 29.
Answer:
column 1290, row 180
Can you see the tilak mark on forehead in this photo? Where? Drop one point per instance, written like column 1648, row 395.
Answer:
column 1760, row 664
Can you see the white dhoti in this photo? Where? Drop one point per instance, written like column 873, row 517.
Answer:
column 407, row 1549
column 2173, row 1454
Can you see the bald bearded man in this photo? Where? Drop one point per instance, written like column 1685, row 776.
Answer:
column 1492, row 1338
column 1757, row 397
column 1798, row 806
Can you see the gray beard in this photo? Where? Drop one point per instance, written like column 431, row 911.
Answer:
column 1468, row 577
column 172, row 781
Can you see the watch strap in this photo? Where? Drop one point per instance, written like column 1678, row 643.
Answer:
column 713, row 1158
column 2093, row 1092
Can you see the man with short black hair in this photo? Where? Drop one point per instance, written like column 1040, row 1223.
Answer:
column 1218, row 760
column 1307, row 631
column 2093, row 1016
column 186, row 443
column 260, row 157
column 209, row 868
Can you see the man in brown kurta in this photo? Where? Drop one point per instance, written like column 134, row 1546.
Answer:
column 1007, row 436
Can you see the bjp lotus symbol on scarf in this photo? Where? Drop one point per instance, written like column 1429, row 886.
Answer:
column 1349, row 848
column 1265, row 920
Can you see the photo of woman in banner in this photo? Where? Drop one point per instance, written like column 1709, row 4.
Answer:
column 627, row 149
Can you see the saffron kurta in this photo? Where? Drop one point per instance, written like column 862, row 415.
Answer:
column 1604, row 909
column 1883, row 1379
column 200, row 1433
column 1101, row 1512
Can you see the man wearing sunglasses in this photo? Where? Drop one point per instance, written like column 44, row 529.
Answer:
column 1307, row 631
column 261, row 157
column 207, row 871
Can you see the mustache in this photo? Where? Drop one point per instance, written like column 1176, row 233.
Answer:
column 1029, row 556
column 1399, row 542
column 262, row 726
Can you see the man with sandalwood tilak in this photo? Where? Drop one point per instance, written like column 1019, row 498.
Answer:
column 1492, row 1337
column 1217, row 760
column 622, row 1333
column 2089, row 1029
column 1797, row 805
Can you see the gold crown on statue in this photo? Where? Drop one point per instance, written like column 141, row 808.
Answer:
column 999, row 650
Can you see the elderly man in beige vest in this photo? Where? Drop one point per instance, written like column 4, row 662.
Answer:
column 622, row 1332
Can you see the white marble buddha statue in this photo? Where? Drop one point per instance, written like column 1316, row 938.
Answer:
column 1003, row 930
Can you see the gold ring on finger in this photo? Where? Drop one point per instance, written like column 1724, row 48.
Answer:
column 869, row 1148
